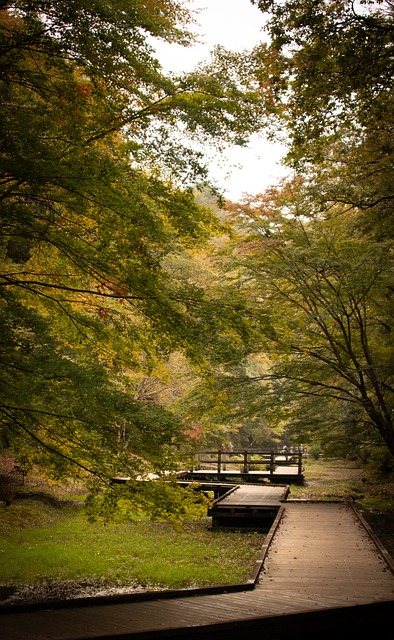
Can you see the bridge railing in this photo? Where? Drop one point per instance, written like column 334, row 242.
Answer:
column 247, row 460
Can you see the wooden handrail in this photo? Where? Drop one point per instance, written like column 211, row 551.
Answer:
column 247, row 458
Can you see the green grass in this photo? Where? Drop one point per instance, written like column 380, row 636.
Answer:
column 68, row 547
column 329, row 480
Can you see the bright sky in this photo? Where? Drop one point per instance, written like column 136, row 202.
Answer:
column 235, row 24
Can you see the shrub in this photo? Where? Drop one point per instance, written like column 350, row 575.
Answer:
column 380, row 463
column 315, row 452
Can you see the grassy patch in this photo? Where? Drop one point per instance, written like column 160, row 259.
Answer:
column 68, row 547
column 32, row 512
column 329, row 480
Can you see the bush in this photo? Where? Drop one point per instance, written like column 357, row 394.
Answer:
column 380, row 463
column 315, row 453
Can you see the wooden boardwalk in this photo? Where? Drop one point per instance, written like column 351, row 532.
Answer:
column 321, row 560
column 254, row 496
column 248, row 505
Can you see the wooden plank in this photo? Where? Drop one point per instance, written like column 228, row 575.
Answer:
column 254, row 495
column 18, row 630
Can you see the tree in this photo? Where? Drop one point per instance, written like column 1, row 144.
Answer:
column 318, row 312
column 317, row 279
column 322, row 295
column 329, row 67
column 95, row 193
column 333, row 63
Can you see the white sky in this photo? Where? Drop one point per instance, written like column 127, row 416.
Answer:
column 235, row 24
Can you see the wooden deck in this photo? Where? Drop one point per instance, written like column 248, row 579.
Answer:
column 246, row 466
column 320, row 564
column 254, row 496
column 251, row 506
column 281, row 475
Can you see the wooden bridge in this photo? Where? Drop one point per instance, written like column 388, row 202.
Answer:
column 247, row 466
column 247, row 506
column 321, row 571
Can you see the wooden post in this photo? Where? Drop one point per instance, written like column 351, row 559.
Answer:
column 299, row 461
column 219, row 460
column 272, row 463
column 246, row 462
